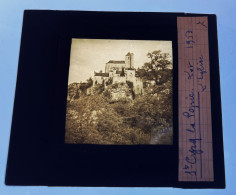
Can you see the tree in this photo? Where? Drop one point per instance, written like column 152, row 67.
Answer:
column 157, row 69
column 89, row 82
column 159, row 95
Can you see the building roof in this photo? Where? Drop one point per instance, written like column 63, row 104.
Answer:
column 116, row 62
column 128, row 54
column 101, row 74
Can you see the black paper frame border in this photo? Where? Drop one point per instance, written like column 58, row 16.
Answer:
column 37, row 153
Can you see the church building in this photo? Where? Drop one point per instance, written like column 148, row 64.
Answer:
column 120, row 72
column 118, row 65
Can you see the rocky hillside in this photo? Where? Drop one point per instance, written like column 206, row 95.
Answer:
column 119, row 92
column 77, row 90
column 114, row 115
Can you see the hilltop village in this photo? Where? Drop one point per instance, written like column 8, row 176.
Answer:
column 120, row 72
column 118, row 82
column 116, row 107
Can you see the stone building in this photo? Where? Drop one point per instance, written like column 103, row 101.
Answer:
column 118, row 65
column 120, row 72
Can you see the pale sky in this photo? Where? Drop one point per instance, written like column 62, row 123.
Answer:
column 89, row 55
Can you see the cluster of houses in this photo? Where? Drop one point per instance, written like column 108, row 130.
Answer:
column 120, row 72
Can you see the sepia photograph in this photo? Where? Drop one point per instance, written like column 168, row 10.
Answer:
column 120, row 92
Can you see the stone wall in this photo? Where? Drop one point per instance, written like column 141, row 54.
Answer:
column 130, row 75
column 138, row 86
column 99, row 80
column 118, row 79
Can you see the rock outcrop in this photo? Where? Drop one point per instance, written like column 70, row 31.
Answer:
column 119, row 92
column 76, row 90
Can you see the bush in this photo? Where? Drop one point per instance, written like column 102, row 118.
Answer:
column 130, row 84
column 110, row 81
column 107, row 94
column 114, row 86
column 99, row 88
column 94, row 120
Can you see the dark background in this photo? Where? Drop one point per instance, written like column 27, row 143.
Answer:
column 37, row 153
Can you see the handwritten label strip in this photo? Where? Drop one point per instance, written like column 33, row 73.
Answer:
column 195, row 129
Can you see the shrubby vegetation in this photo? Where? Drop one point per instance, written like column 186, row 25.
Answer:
column 147, row 119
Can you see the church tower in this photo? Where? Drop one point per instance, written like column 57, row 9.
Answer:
column 129, row 60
